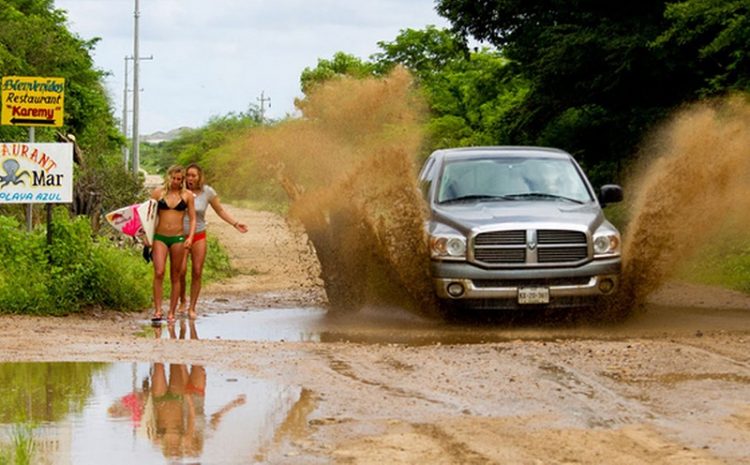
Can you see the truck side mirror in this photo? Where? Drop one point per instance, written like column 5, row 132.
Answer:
column 610, row 193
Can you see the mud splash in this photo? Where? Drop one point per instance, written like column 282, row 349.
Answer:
column 698, row 181
column 349, row 166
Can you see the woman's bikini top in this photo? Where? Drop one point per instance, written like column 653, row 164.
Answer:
column 163, row 205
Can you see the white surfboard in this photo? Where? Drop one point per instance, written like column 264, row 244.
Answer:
column 138, row 220
column 147, row 212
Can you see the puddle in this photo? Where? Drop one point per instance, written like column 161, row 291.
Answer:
column 94, row 413
column 279, row 324
column 395, row 326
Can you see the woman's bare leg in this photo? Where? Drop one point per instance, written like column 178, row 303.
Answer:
column 159, row 258
column 176, row 255
column 198, row 253
column 183, row 288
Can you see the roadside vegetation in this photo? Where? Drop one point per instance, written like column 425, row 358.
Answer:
column 591, row 78
column 724, row 262
column 22, row 447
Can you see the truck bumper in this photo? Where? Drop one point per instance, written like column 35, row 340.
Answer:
column 565, row 286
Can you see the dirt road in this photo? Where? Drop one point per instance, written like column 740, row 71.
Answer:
column 671, row 386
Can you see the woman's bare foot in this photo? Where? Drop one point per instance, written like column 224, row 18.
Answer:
column 192, row 314
column 181, row 308
column 170, row 316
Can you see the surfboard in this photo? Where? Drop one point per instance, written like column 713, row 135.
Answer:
column 147, row 214
column 137, row 220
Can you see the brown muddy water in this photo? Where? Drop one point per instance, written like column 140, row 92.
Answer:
column 349, row 167
column 693, row 182
column 392, row 325
column 122, row 413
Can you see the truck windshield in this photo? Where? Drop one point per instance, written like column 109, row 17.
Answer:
column 512, row 178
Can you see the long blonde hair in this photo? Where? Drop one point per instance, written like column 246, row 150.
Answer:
column 168, row 179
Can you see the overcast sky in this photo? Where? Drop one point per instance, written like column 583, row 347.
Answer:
column 215, row 57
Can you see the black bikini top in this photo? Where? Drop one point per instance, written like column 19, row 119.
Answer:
column 163, row 205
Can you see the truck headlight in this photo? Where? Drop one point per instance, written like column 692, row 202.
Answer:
column 607, row 244
column 447, row 247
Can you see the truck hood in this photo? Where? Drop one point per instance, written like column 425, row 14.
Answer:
column 536, row 214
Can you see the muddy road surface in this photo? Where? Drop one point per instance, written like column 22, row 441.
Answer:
column 670, row 386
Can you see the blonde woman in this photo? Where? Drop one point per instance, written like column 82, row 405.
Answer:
column 175, row 205
column 204, row 195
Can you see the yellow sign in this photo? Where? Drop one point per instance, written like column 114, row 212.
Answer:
column 32, row 101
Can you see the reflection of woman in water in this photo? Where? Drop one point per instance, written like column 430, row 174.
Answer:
column 174, row 412
column 170, row 407
column 178, row 405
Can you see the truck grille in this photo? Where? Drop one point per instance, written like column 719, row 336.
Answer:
column 552, row 236
column 501, row 238
column 500, row 255
column 510, row 247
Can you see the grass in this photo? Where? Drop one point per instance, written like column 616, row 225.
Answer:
column 21, row 449
column 725, row 262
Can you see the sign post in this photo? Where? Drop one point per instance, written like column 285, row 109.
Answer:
column 31, row 101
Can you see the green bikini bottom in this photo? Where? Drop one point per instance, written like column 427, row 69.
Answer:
column 169, row 241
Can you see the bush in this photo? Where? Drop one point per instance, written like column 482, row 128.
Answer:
column 75, row 271
column 217, row 264
column 78, row 270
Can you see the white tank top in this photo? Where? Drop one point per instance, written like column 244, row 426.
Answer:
column 201, row 205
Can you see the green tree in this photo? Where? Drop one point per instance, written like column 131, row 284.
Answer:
column 342, row 64
column 425, row 52
column 601, row 73
column 714, row 35
column 471, row 93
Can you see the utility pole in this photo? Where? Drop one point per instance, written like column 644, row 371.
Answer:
column 263, row 101
column 136, row 92
column 125, row 149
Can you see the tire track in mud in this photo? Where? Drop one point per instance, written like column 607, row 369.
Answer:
column 587, row 390
column 458, row 450
column 346, row 370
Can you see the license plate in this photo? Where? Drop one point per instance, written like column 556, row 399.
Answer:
column 533, row 295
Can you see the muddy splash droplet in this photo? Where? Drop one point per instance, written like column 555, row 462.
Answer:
column 697, row 180
column 349, row 166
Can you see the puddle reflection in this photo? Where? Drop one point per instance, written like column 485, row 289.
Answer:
column 293, row 324
column 93, row 413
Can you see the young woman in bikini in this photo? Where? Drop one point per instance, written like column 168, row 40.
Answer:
column 204, row 195
column 175, row 205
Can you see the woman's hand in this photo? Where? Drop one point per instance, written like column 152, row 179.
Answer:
column 241, row 227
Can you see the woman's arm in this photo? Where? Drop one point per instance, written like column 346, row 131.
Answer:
column 191, row 216
column 224, row 215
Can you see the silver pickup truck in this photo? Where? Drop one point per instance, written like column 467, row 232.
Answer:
column 518, row 227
